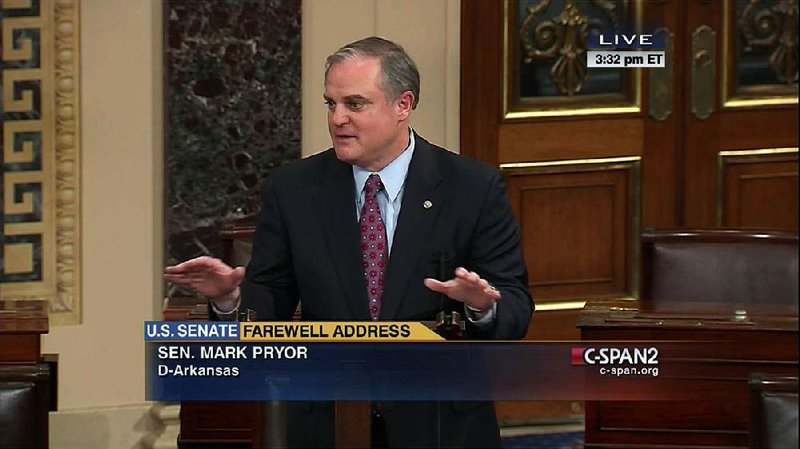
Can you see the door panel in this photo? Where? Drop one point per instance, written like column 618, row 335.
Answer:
column 590, row 205
column 569, row 140
column 755, row 110
column 757, row 189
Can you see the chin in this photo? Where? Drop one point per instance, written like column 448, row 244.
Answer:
column 347, row 155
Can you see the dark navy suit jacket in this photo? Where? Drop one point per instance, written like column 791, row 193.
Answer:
column 306, row 248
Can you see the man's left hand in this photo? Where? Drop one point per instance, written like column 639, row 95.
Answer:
column 467, row 287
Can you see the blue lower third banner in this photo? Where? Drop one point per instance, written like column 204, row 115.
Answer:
column 247, row 370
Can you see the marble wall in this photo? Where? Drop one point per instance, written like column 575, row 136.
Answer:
column 233, row 111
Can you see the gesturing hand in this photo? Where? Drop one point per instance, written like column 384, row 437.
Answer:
column 206, row 275
column 466, row 287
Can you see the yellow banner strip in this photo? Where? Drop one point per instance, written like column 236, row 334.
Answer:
column 326, row 331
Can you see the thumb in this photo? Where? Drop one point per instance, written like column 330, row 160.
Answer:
column 435, row 285
column 238, row 273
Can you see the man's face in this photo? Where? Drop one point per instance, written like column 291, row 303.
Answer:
column 366, row 129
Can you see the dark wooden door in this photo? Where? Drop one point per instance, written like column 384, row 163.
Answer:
column 739, row 150
column 592, row 156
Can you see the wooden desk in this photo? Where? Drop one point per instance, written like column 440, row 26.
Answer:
column 27, row 381
column 766, row 341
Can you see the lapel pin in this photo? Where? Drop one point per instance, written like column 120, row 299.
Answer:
column 427, row 204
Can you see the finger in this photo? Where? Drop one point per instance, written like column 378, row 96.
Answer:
column 183, row 265
column 181, row 276
column 436, row 285
column 196, row 284
column 181, row 268
column 492, row 293
column 185, row 277
column 194, row 264
column 462, row 273
column 174, row 269
column 470, row 276
column 176, row 279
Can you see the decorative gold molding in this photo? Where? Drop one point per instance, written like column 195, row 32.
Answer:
column 758, row 97
column 52, row 126
column 756, row 155
column 572, row 305
column 555, row 110
column 608, row 163
column 66, row 305
column 632, row 163
column 566, row 305
column 758, row 152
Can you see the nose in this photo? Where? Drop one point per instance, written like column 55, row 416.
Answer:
column 338, row 115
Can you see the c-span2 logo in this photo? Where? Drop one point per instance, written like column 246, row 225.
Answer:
column 614, row 356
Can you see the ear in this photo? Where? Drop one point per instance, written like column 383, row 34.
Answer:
column 404, row 105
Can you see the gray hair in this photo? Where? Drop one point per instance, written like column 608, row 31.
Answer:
column 400, row 74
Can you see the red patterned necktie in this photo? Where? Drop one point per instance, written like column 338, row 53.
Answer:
column 374, row 251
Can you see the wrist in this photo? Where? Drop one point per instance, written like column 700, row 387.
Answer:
column 480, row 309
column 485, row 306
column 228, row 302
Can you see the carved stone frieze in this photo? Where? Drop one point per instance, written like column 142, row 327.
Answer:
column 40, row 233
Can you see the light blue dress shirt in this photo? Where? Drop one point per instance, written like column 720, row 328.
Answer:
column 393, row 177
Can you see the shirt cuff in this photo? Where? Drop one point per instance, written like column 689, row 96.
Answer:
column 230, row 314
column 481, row 317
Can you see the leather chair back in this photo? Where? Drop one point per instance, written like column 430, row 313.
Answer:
column 773, row 412
column 237, row 245
column 722, row 266
column 236, row 236
column 24, row 405
column 17, row 414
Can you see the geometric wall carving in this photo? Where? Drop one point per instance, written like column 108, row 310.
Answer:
column 758, row 189
column 592, row 207
column 39, row 175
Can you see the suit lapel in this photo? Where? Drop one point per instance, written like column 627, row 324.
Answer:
column 339, row 226
column 413, row 225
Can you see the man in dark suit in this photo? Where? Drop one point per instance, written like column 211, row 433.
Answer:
column 355, row 232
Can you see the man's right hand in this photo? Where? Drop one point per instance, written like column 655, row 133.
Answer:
column 210, row 277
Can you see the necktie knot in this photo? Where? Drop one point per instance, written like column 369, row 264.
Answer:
column 374, row 185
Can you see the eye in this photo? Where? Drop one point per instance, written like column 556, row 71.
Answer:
column 355, row 105
column 330, row 104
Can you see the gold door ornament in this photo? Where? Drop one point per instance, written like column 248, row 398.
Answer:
column 759, row 66
column 545, row 48
column 773, row 27
column 562, row 38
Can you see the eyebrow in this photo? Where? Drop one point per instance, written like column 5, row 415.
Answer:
column 349, row 98
column 357, row 98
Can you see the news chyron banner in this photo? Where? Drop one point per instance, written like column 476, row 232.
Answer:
column 399, row 361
